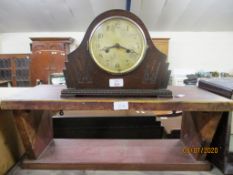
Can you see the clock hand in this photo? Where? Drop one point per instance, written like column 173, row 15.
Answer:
column 118, row 46
column 106, row 49
column 126, row 49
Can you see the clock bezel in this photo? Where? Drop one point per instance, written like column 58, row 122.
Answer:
column 143, row 53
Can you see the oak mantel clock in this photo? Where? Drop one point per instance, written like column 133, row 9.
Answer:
column 116, row 58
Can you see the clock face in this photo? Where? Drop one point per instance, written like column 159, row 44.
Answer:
column 117, row 45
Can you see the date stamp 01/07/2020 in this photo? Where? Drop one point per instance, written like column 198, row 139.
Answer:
column 201, row 150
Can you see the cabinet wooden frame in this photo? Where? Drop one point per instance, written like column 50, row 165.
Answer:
column 48, row 56
column 13, row 58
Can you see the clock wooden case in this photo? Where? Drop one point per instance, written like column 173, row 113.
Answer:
column 82, row 72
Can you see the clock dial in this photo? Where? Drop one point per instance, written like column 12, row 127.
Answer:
column 117, row 45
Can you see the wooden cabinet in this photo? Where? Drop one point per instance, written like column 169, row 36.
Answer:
column 162, row 44
column 48, row 56
column 15, row 69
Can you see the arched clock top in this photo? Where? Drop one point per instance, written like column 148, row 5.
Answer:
column 116, row 45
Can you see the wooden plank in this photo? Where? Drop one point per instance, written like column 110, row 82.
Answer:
column 222, row 140
column 11, row 147
column 116, row 155
column 55, row 39
column 198, row 129
column 162, row 44
column 184, row 98
column 19, row 55
column 171, row 123
column 35, row 128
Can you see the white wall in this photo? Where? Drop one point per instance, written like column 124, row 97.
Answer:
column 20, row 42
column 188, row 52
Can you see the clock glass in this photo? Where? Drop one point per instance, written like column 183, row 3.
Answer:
column 117, row 45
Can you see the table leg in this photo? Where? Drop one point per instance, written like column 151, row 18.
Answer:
column 35, row 128
column 221, row 139
column 197, row 132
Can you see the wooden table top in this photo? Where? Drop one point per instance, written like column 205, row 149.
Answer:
column 47, row 97
column 6, row 92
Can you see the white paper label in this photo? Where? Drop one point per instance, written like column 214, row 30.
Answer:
column 116, row 82
column 121, row 105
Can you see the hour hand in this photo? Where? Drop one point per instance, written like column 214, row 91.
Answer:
column 118, row 46
column 106, row 49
